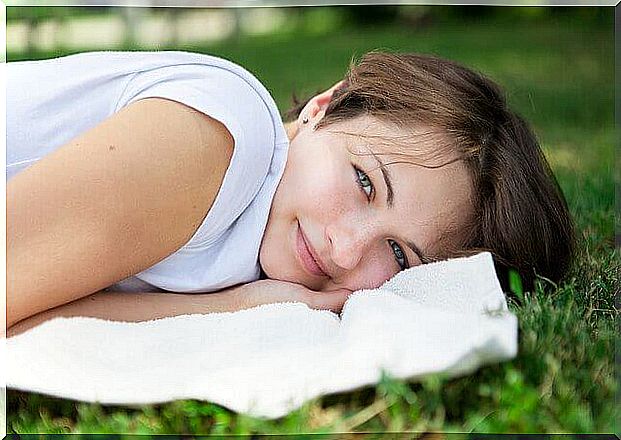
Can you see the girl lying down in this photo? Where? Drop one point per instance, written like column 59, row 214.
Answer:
column 130, row 173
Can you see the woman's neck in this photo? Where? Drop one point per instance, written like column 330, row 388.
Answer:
column 291, row 128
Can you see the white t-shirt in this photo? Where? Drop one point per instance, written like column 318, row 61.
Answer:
column 52, row 101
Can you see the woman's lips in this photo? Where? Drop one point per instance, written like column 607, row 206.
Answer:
column 305, row 256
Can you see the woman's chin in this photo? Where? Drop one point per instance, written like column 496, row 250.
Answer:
column 280, row 275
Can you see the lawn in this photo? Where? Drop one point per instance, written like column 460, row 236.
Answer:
column 559, row 73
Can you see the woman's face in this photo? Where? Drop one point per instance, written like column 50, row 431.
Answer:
column 343, row 218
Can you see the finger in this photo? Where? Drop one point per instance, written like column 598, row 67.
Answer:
column 332, row 300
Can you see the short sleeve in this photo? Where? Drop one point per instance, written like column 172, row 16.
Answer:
column 233, row 100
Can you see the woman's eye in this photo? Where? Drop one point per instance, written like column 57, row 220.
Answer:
column 402, row 260
column 364, row 182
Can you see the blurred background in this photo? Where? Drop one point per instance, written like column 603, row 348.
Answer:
column 34, row 30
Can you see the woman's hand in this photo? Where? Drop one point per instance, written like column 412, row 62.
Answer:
column 274, row 291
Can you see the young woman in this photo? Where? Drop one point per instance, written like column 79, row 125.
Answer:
column 173, row 171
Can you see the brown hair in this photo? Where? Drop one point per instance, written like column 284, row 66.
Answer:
column 521, row 216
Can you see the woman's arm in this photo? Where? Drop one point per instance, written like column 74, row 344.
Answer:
column 135, row 307
column 110, row 203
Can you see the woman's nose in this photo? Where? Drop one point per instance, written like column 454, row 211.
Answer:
column 348, row 241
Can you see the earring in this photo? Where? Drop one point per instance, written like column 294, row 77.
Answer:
column 305, row 120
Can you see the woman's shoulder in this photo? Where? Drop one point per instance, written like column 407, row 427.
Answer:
column 143, row 69
column 129, row 200
column 149, row 61
column 214, row 85
column 232, row 96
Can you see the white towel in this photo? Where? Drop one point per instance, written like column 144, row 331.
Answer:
column 448, row 317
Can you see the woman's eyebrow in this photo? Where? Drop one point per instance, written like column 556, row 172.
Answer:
column 423, row 258
column 390, row 195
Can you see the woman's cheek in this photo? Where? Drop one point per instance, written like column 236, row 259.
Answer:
column 372, row 277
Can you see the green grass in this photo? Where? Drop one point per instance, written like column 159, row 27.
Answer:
column 560, row 75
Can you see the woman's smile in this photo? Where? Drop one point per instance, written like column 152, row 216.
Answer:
column 307, row 255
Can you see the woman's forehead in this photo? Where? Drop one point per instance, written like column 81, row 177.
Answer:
column 422, row 145
column 445, row 188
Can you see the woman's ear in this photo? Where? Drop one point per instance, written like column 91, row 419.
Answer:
column 316, row 107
